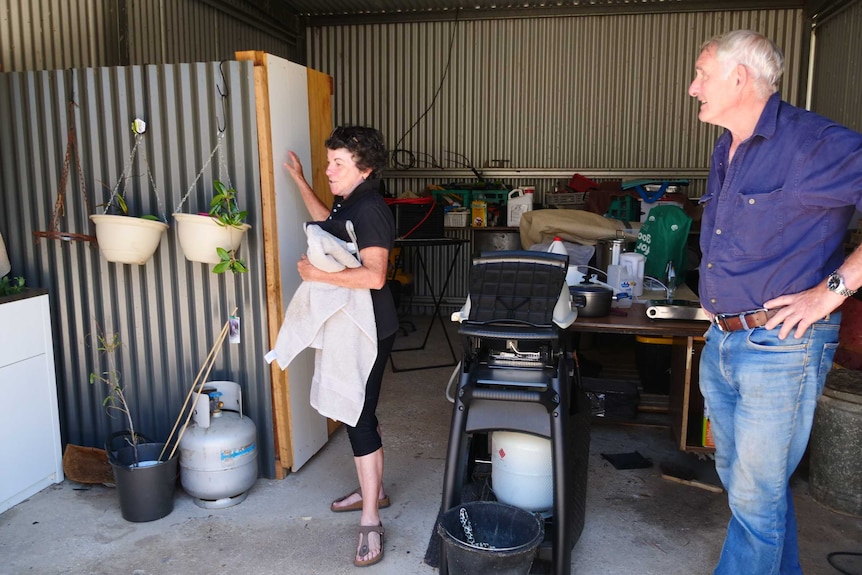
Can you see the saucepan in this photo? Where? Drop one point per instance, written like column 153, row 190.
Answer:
column 591, row 299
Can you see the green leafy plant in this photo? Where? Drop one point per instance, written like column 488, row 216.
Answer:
column 225, row 210
column 229, row 262
column 115, row 399
column 10, row 285
column 118, row 204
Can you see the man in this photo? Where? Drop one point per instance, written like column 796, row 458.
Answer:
column 783, row 186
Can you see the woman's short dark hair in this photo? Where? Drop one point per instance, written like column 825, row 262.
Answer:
column 364, row 144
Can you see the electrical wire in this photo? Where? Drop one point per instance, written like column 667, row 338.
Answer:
column 439, row 86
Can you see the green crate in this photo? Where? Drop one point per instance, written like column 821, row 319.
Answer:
column 625, row 208
column 499, row 197
column 449, row 198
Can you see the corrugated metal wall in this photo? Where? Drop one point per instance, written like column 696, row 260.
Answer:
column 604, row 96
column 837, row 75
column 49, row 34
column 58, row 34
column 168, row 312
column 591, row 93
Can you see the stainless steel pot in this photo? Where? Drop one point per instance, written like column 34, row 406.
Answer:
column 592, row 300
column 608, row 250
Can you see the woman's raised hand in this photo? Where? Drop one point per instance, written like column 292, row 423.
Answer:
column 294, row 167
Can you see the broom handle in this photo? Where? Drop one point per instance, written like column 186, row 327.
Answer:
column 209, row 360
column 190, row 411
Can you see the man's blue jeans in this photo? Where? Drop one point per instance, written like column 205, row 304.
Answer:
column 761, row 393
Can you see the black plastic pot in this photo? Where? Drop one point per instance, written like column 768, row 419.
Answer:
column 145, row 485
column 592, row 300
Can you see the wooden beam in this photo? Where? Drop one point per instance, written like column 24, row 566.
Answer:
column 274, row 304
column 320, row 127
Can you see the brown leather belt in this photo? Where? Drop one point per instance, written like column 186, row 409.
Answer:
column 744, row 320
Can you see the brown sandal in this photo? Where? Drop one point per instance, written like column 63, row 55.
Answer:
column 357, row 506
column 364, row 530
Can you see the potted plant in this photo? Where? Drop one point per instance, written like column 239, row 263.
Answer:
column 124, row 239
column 214, row 237
column 11, row 285
column 145, row 482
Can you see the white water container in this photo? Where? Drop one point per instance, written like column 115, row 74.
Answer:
column 558, row 247
column 519, row 203
column 634, row 263
column 522, row 470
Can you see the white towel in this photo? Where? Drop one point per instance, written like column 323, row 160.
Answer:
column 339, row 324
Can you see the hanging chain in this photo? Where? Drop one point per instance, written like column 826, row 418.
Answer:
column 222, row 162
column 127, row 168
column 155, row 188
column 201, row 172
column 468, row 530
column 138, row 127
column 71, row 148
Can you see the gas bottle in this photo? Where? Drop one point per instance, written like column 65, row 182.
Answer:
column 218, row 450
column 520, row 201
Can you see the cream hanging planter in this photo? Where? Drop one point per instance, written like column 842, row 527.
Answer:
column 214, row 237
column 200, row 237
column 122, row 238
column 127, row 239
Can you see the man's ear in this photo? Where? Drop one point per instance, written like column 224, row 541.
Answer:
column 742, row 75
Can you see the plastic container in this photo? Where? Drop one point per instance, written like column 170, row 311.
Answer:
column 836, row 444
column 558, row 247
column 479, row 213
column 634, row 264
column 511, row 534
column 522, row 470
column 145, row 488
column 520, row 202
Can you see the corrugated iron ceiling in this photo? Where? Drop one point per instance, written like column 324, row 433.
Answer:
column 412, row 9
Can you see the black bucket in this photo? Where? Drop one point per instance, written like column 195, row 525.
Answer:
column 511, row 534
column 146, row 487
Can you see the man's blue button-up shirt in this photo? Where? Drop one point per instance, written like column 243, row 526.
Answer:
column 775, row 218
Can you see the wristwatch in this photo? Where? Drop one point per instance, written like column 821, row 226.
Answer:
column 836, row 283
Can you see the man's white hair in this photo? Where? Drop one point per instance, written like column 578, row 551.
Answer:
column 753, row 50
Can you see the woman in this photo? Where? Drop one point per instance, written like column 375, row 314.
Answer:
column 355, row 158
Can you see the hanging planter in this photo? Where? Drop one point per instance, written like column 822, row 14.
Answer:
column 214, row 238
column 126, row 239
column 123, row 238
column 201, row 236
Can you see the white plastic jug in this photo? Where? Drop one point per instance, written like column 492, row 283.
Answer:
column 634, row 263
column 518, row 204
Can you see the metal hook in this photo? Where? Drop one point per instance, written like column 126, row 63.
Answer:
column 224, row 94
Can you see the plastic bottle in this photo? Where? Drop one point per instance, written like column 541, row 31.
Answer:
column 519, row 201
column 557, row 247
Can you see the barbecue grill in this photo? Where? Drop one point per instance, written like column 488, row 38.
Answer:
column 518, row 374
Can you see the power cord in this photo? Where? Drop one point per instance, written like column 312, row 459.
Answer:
column 845, row 554
column 396, row 148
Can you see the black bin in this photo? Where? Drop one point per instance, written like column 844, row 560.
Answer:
column 504, row 538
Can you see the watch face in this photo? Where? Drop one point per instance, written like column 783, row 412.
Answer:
column 833, row 282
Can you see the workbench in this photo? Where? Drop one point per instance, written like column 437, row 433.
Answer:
column 685, row 403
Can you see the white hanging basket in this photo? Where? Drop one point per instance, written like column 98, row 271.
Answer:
column 200, row 235
column 126, row 239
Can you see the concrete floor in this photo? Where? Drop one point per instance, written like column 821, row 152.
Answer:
column 636, row 522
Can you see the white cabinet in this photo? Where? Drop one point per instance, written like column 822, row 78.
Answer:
column 30, row 449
